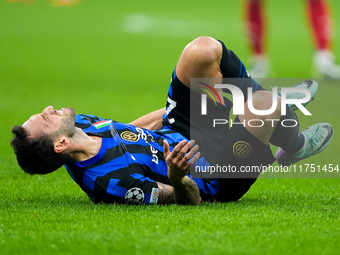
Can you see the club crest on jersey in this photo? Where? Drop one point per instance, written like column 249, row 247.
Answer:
column 129, row 136
column 242, row 149
column 102, row 123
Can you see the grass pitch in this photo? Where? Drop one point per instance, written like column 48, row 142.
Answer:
column 114, row 60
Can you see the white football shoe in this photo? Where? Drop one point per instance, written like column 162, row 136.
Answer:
column 312, row 86
column 317, row 138
column 324, row 64
column 259, row 67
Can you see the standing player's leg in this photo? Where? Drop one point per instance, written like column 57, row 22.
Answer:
column 256, row 29
column 319, row 20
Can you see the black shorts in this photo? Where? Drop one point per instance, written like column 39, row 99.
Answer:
column 221, row 145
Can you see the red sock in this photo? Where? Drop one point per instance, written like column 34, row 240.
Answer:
column 255, row 22
column 320, row 23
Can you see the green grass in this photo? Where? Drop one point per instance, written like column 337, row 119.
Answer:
column 84, row 57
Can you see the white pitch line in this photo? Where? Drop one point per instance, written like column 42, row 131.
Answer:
column 138, row 23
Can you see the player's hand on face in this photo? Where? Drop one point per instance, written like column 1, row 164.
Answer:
column 180, row 159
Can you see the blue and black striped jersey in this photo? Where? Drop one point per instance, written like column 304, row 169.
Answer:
column 128, row 164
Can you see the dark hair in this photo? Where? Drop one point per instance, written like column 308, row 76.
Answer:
column 36, row 156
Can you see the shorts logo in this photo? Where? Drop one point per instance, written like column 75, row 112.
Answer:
column 129, row 136
column 242, row 149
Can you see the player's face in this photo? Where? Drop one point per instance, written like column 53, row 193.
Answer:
column 51, row 122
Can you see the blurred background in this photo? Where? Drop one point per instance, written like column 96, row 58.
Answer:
column 118, row 56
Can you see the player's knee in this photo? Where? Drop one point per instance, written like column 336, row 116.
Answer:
column 204, row 50
column 263, row 100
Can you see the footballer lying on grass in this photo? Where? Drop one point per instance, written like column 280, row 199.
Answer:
column 148, row 160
